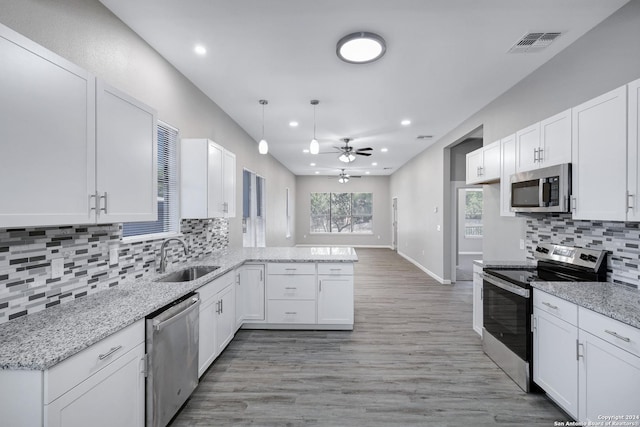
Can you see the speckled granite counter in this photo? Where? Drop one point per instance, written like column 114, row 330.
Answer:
column 505, row 264
column 615, row 301
column 41, row 340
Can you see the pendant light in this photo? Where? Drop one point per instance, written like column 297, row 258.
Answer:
column 314, row 146
column 263, row 147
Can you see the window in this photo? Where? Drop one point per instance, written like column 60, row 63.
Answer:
column 473, row 213
column 341, row 213
column 168, row 217
column 253, row 210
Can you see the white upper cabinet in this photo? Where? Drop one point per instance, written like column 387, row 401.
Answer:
column 507, row 168
column 53, row 168
column 633, row 159
column 599, row 153
column 127, row 167
column 47, row 136
column 483, row 164
column 208, row 181
column 543, row 144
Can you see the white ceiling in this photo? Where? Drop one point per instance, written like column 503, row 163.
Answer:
column 445, row 60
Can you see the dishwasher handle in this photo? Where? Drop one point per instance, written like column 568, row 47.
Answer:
column 176, row 312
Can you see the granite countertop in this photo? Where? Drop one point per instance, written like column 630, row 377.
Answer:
column 505, row 264
column 41, row 340
column 615, row 301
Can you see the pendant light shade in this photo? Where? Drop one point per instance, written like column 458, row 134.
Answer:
column 314, row 146
column 347, row 157
column 263, row 147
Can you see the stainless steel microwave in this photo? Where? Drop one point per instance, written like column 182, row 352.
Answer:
column 542, row 190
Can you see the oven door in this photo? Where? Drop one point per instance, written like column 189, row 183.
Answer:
column 507, row 315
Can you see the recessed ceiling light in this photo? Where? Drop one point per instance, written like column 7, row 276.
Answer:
column 374, row 164
column 367, row 173
column 405, row 122
column 312, row 164
column 306, row 150
column 293, row 124
column 384, row 150
column 200, row 50
column 317, row 172
column 361, row 48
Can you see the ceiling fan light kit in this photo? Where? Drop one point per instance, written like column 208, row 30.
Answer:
column 361, row 47
column 263, row 146
column 314, row 146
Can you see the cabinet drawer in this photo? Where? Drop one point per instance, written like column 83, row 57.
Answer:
column 292, row 268
column 291, row 311
column 344, row 268
column 291, row 287
column 72, row 371
column 559, row 307
column 617, row 333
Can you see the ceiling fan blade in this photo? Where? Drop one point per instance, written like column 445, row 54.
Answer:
column 363, row 154
column 365, row 149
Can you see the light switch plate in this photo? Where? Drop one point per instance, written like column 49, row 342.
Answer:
column 57, row 268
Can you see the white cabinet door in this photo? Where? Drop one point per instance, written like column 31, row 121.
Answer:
column 508, row 168
column 477, row 299
column 555, row 140
column 474, row 166
column 127, row 165
column 226, row 317
column 554, row 359
column 215, row 187
column 229, row 183
column 527, row 146
column 207, row 348
column 608, row 379
column 633, row 159
column 491, row 162
column 253, row 288
column 47, row 136
column 113, row 396
column 599, row 147
column 335, row 300
column 240, row 295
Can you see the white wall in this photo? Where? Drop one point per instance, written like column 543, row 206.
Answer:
column 601, row 60
column 378, row 185
column 88, row 34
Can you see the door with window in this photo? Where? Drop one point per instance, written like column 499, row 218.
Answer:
column 253, row 210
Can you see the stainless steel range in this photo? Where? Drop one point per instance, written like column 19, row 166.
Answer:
column 507, row 303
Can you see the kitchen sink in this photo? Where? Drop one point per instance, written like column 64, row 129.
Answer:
column 189, row 274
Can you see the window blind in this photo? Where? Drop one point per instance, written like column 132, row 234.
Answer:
column 168, row 215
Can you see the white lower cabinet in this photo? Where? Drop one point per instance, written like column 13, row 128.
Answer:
column 335, row 294
column 226, row 320
column 250, row 293
column 477, row 299
column 291, row 293
column 586, row 362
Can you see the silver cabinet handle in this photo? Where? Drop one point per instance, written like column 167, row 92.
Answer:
column 629, row 201
column 290, row 312
column 109, row 353
column 578, row 355
column 105, row 202
column 540, row 158
column 261, row 279
column 535, row 155
column 320, row 283
column 620, row 337
column 574, row 203
column 555, row 307
column 290, row 288
column 93, row 206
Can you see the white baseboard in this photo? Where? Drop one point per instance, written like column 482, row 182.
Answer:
column 426, row 270
column 469, row 253
column 347, row 246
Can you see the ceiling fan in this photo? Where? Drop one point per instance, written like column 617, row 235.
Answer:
column 348, row 153
column 344, row 177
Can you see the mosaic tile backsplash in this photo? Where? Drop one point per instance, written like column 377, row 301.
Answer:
column 620, row 239
column 26, row 255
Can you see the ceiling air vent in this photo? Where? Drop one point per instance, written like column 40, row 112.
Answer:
column 533, row 42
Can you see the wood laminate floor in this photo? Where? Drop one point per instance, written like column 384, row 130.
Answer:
column 411, row 360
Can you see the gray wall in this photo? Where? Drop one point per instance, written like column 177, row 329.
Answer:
column 603, row 59
column 378, row 185
column 88, row 34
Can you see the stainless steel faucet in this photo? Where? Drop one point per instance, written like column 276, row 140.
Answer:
column 163, row 252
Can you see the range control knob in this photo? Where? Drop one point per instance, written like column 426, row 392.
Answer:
column 584, row 257
column 541, row 249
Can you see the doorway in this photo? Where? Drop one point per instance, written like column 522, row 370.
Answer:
column 394, row 223
column 253, row 210
column 468, row 244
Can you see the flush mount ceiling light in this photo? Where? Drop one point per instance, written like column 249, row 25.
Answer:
column 263, row 147
column 314, row 146
column 361, row 48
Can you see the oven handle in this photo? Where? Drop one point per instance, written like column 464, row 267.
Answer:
column 506, row 286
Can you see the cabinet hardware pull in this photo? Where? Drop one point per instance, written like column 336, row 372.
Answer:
column 221, row 306
column 574, row 202
column 261, row 279
column 540, row 158
column 320, row 282
column 109, row 353
column 625, row 339
column 555, row 307
column 93, row 206
column 335, row 269
column 535, row 155
column 290, row 312
column 630, row 201
column 105, row 202
column 578, row 355
column 290, row 288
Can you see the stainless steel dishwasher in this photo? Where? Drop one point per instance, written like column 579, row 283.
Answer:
column 172, row 351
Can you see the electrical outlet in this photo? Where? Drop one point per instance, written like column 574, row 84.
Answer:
column 522, row 244
column 113, row 255
column 435, row 210
column 57, row 268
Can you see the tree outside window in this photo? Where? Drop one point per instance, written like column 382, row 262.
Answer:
column 473, row 213
column 341, row 213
